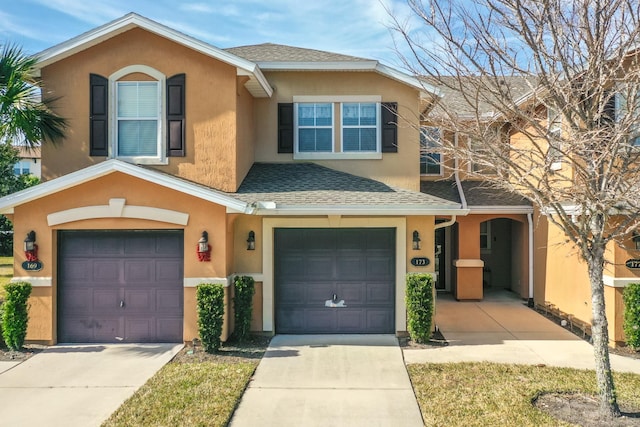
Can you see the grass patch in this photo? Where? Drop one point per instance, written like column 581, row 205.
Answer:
column 482, row 394
column 193, row 394
column 6, row 272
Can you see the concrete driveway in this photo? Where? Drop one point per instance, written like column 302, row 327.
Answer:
column 77, row 385
column 502, row 329
column 329, row 380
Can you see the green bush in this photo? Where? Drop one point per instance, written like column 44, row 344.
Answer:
column 243, row 305
column 2, row 344
column 210, row 315
column 420, row 306
column 631, row 298
column 15, row 316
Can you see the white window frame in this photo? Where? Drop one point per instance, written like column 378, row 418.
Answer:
column 20, row 165
column 441, row 135
column 160, row 78
column 376, row 126
column 337, row 126
column 487, row 233
column 298, row 127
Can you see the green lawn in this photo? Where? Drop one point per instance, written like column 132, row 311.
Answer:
column 484, row 394
column 187, row 394
column 6, row 272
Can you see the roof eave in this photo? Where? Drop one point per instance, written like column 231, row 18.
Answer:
column 409, row 210
column 500, row 209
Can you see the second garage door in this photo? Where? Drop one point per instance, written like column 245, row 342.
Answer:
column 120, row 286
column 335, row 280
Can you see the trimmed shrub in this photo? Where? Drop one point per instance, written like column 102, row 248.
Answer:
column 210, row 299
column 420, row 306
column 2, row 344
column 15, row 315
column 631, row 325
column 243, row 305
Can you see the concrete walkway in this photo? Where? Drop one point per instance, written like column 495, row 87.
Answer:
column 77, row 385
column 502, row 329
column 330, row 380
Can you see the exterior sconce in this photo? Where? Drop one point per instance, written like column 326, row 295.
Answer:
column 204, row 250
column 30, row 247
column 251, row 241
column 416, row 240
column 636, row 240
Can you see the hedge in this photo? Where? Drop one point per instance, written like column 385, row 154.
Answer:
column 243, row 305
column 631, row 325
column 15, row 314
column 210, row 300
column 420, row 306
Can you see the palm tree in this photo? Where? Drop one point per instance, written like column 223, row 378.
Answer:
column 25, row 116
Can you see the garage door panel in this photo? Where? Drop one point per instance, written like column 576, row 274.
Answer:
column 120, row 266
column 292, row 293
column 351, row 320
column 319, row 293
column 320, row 320
column 138, row 272
column 352, row 293
column 168, row 300
column 351, row 239
column 380, row 241
column 290, row 320
column 290, row 266
column 350, row 267
column 319, row 266
column 380, row 320
column 380, row 268
column 379, row 293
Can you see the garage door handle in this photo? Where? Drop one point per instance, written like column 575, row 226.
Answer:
column 122, row 304
column 335, row 297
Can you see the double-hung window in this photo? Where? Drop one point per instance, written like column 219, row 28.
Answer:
column 315, row 127
column 360, row 127
column 430, row 143
column 138, row 116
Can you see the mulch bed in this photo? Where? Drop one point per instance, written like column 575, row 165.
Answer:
column 253, row 347
column 582, row 410
column 27, row 351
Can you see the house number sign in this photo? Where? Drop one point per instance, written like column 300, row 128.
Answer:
column 633, row 263
column 424, row 261
column 32, row 265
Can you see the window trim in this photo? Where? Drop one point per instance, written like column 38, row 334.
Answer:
column 114, row 78
column 487, row 233
column 297, row 127
column 337, row 101
column 441, row 133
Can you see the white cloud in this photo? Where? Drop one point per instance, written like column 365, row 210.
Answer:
column 92, row 12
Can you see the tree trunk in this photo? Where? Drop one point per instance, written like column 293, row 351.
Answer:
column 608, row 403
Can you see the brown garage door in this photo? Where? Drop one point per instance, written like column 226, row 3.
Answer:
column 116, row 286
column 334, row 280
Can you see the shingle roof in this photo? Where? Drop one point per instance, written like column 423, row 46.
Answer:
column 477, row 193
column 270, row 52
column 312, row 185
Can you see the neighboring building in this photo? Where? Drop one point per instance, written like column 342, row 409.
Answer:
column 312, row 155
column 29, row 163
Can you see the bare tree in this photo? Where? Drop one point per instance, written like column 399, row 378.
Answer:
column 580, row 59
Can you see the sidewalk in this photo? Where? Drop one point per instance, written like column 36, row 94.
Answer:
column 503, row 329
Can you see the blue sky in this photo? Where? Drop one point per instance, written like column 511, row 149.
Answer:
column 353, row 27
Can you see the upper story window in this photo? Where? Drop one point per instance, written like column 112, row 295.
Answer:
column 554, row 124
column 337, row 127
column 430, row 142
column 137, row 115
column 22, row 167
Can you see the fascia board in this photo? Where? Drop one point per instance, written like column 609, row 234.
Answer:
column 133, row 20
column 361, row 211
column 93, row 172
column 524, row 209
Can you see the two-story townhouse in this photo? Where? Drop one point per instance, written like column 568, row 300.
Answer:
column 188, row 164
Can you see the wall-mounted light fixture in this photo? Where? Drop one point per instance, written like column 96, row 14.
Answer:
column 204, row 250
column 251, row 241
column 30, row 247
column 636, row 240
column 416, row 240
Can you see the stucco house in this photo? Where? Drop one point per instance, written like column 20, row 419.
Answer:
column 311, row 156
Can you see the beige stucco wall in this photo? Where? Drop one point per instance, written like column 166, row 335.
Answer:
column 33, row 216
column 399, row 169
column 211, row 105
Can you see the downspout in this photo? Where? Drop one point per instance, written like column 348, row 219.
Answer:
column 530, row 221
column 463, row 199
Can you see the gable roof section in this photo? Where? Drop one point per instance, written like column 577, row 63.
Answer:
column 257, row 85
column 276, row 57
column 90, row 173
column 310, row 189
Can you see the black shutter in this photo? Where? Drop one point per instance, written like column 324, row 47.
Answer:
column 98, row 115
column 285, row 128
column 609, row 109
column 176, row 116
column 389, row 127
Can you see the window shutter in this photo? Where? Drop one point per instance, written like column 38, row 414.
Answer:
column 98, row 115
column 285, row 128
column 389, row 127
column 609, row 109
column 176, row 116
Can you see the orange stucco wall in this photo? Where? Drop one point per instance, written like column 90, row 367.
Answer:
column 399, row 169
column 33, row 216
column 212, row 99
